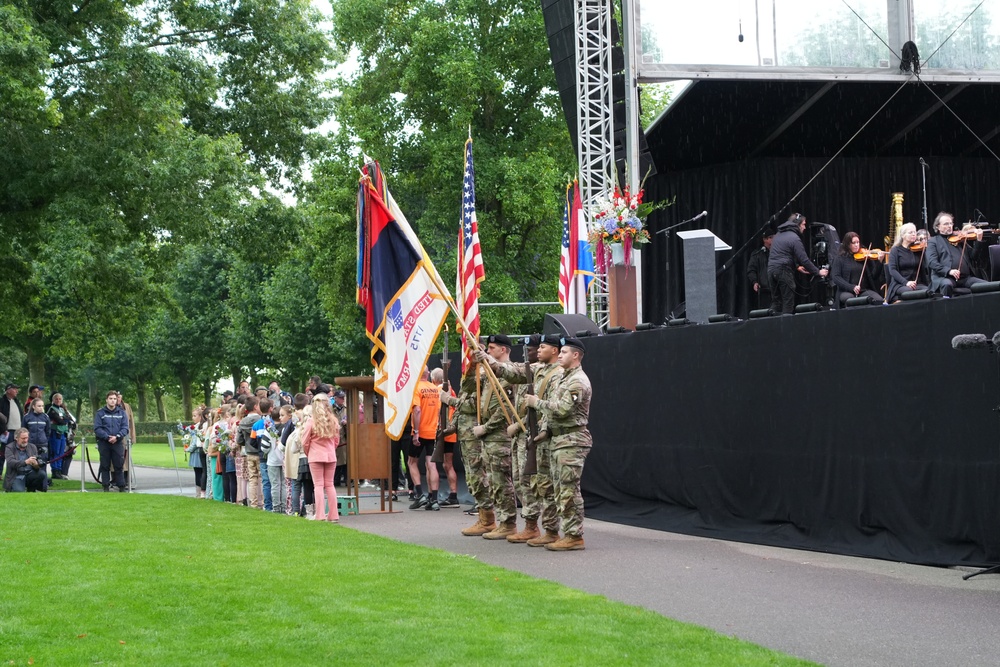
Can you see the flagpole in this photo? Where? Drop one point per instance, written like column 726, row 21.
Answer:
column 473, row 343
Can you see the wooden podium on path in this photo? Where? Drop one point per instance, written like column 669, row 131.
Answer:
column 369, row 450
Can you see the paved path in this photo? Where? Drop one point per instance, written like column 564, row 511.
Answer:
column 835, row 610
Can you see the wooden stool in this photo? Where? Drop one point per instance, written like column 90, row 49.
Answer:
column 347, row 505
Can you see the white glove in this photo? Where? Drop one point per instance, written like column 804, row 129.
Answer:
column 513, row 430
column 444, row 396
column 480, row 355
column 531, row 401
column 479, row 431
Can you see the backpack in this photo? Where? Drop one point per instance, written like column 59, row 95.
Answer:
column 265, row 442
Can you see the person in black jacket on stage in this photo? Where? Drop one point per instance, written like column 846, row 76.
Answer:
column 854, row 277
column 949, row 265
column 787, row 255
column 757, row 270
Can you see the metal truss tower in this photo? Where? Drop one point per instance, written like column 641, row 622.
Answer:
column 595, row 125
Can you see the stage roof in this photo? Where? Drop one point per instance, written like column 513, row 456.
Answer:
column 714, row 122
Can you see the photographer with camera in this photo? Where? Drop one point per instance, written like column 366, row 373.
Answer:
column 25, row 469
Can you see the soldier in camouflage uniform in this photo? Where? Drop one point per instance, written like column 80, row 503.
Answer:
column 567, row 410
column 536, row 492
column 492, row 431
column 472, row 451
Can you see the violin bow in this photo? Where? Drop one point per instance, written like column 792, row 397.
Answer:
column 865, row 265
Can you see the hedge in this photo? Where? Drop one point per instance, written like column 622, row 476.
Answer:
column 141, row 428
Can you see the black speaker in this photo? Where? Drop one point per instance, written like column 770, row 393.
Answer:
column 979, row 288
column 913, row 295
column 568, row 325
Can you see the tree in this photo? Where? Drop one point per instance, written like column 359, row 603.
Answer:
column 139, row 126
column 427, row 71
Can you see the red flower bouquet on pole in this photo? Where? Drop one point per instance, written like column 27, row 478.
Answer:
column 619, row 219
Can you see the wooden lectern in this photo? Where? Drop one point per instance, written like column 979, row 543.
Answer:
column 369, row 451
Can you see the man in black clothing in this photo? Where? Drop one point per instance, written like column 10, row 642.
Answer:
column 948, row 264
column 787, row 255
column 757, row 270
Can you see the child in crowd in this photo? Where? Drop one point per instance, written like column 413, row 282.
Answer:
column 196, row 455
column 276, row 463
column 319, row 441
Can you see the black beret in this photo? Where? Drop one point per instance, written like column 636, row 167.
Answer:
column 573, row 342
column 534, row 340
column 499, row 339
column 552, row 339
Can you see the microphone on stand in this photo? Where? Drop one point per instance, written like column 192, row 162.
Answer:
column 979, row 214
column 699, row 216
column 923, row 164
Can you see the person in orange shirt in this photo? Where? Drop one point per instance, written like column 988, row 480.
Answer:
column 424, row 420
column 437, row 377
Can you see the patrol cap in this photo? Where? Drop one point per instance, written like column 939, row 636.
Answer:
column 340, row 393
column 534, row 340
column 552, row 339
column 499, row 339
column 568, row 341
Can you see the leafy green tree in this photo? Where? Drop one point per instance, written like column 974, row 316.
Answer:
column 137, row 127
column 428, row 71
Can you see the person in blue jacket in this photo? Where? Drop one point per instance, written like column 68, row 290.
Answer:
column 111, row 430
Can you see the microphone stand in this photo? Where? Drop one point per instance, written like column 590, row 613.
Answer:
column 729, row 262
column 923, row 178
column 666, row 235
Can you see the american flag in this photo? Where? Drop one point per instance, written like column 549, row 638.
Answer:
column 470, row 257
column 576, row 263
column 567, row 259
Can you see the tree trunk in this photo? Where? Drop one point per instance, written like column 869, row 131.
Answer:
column 185, row 377
column 140, row 391
column 161, row 410
column 207, row 388
column 237, row 373
column 92, row 393
column 79, row 408
column 36, row 366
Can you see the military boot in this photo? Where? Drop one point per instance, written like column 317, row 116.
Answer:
column 503, row 531
column 530, row 532
column 549, row 537
column 484, row 524
column 568, row 543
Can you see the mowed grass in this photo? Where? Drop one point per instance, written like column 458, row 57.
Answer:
column 156, row 454
column 157, row 580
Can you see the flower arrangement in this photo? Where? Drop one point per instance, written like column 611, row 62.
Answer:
column 187, row 433
column 618, row 218
column 223, row 440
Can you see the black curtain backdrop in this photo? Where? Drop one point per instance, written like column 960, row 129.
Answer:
column 858, row 432
column 852, row 194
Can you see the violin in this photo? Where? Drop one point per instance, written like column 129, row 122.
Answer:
column 862, row 255
column 918, row 247
column 968, row 235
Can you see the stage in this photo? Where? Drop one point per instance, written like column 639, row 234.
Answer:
column 859, row 432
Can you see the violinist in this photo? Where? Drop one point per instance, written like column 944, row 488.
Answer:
column 907, row 267
column 856, row 272
column 948, row 256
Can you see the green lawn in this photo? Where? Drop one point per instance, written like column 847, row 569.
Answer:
column 156, row 454
column 157, row 580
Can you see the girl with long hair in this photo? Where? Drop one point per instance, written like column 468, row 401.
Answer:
column 319, row 441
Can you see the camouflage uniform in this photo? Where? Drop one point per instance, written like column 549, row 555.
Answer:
column 567, row 410
column 472, row 448
column 496, row 452
column 537, row 496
